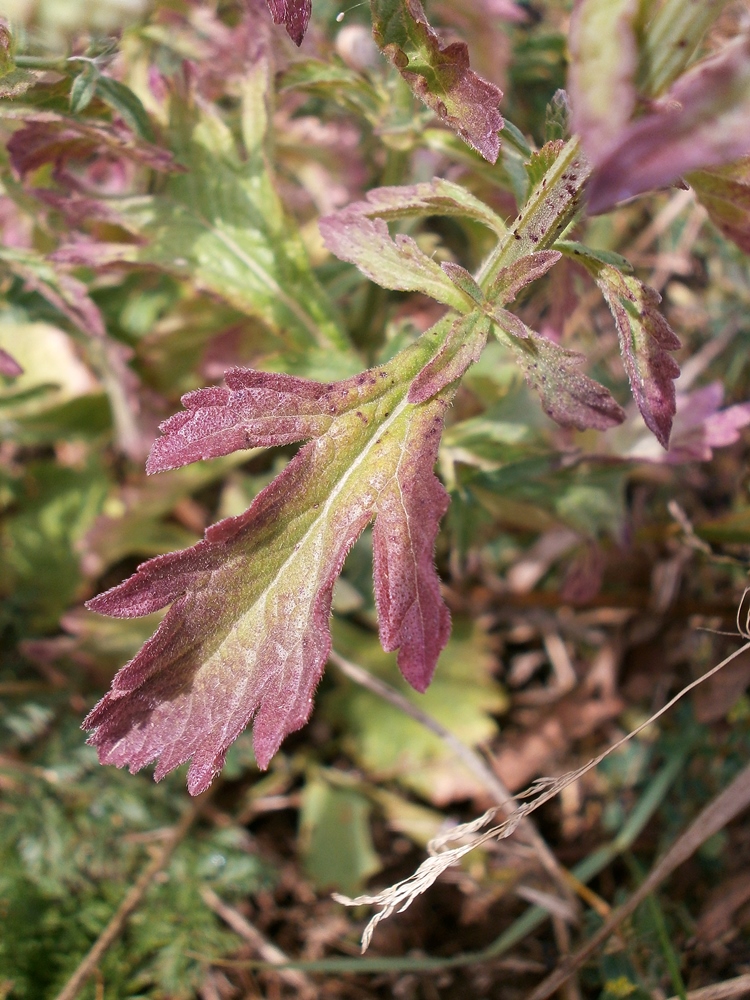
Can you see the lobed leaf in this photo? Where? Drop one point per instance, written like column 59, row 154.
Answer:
column 569, row 397
column 247, row 634
column 256, row 409
column 435, row 197
column 391, row 262
column 359, row 234
column 703, row 121
column 645, row 340
column 439, row 75
column 462, row 347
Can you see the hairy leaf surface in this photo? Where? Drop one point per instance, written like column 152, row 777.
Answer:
column 247, row 634
column 359, row 234
column 645, row 340
column 435, row 197
column 569, row 397
column 391, row 262
column 439, row 75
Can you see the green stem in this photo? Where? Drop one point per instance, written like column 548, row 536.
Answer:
column 40, row 62
column 549, row 210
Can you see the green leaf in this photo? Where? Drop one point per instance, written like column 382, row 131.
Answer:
column 222, row 226
column 359, row 235
column 39, row 565
column 334, row 80
column 725, row 194
column 435, row 197
column 388, row 743
column 540, row 162
column 83, row 89
column 335, row 840
column 127, row 105
column 13, row 81
column 671, row 39
column 53, row 373
column 575, row 250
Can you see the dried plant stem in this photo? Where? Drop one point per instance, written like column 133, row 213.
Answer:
column 267, row 951
column 132, row 900
column 721, row 991
column 720, row 811
column 470, row 758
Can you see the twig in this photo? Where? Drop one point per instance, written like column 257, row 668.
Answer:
column 267, row 951
column 472, row 760
column 114, row 928
column 721, row 991
column 720, row 811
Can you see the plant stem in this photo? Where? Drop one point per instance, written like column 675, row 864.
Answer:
column 549, row 210
column 472, row 761
column 40, row 62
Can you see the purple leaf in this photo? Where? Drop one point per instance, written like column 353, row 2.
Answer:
column 63, row 292
column 435, row 197
column 522, row 272
column 703, row 121
column 463, row 346
column 247, row 634
column 9, row 367
column 293, row 14
column 439, row 75
column 391, row 262
column 257, row 409
column 51, row 138
column 569, row 397
column 645, row 340
column 700, row 425
column 411, row 614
